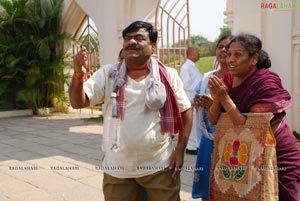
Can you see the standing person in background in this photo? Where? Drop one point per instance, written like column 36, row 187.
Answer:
column 251, row 87
column 144, row 104
column 206, row 130
column 191, row 76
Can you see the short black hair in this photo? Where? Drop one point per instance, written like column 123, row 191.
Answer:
column 134, row 26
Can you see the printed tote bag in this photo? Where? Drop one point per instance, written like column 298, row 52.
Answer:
column 244, row 160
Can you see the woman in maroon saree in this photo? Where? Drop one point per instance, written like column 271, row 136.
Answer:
column 251, row 87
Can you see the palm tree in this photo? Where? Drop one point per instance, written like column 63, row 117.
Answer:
column 31, row 53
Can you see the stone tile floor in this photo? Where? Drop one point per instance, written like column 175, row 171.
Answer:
column 56, row 158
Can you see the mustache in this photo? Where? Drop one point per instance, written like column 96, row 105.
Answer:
column 132, row 47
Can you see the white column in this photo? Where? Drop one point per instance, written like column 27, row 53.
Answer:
column 72, row 16
column 277, row 38
column 295, row 92
column 247, row 17
column 229, row 15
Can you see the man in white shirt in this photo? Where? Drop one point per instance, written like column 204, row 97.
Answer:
column 191, row 76
column 144, row 105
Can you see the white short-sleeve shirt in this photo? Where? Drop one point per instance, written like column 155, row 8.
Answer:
column 143, row 149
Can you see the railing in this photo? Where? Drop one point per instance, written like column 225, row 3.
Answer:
column 86, row 35
column 172, row 21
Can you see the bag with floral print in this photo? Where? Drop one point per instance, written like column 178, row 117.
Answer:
column 244, row 160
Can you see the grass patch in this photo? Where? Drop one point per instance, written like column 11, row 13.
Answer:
column 297, row 135
column 205, row 64
column 98, row 119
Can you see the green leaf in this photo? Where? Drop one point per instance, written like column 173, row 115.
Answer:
column 13, row 62
column 7, row 5
column 225, row 171
column 9, row 75
column 240, row 172
column 44, row 50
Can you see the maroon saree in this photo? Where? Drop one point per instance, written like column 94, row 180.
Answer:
column 263, row 92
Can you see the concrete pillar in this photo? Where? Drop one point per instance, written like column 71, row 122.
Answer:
column 246, row 17
column 295, row 88
column 229, row 15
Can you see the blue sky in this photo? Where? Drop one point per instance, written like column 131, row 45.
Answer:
column 206, row 17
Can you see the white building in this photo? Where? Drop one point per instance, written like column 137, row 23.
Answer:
column 277, row 24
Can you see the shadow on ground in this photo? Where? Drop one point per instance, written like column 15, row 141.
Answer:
column 30, row 138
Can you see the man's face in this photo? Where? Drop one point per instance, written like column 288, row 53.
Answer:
column 137, row 45
column 197, row 55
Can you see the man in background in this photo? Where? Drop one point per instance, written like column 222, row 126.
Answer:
column 191, row 76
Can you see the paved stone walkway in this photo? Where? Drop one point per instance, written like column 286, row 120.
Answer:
column 57, row 158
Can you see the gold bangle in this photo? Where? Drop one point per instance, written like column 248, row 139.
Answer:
column 233, row 106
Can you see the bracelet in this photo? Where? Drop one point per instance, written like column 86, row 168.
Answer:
column 81, row 79
column 233, row 106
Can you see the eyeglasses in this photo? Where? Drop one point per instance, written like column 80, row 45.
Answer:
column 137, row 38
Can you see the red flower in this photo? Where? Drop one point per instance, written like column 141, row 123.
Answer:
column 236, row 153
column 234, row 160
column 236, row 145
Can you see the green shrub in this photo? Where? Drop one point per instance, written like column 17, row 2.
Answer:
column 31, row 54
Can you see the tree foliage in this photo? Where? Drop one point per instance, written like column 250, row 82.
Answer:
column 206, row 47
column 223, row 31
column 31, row 54
column 203, row 44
